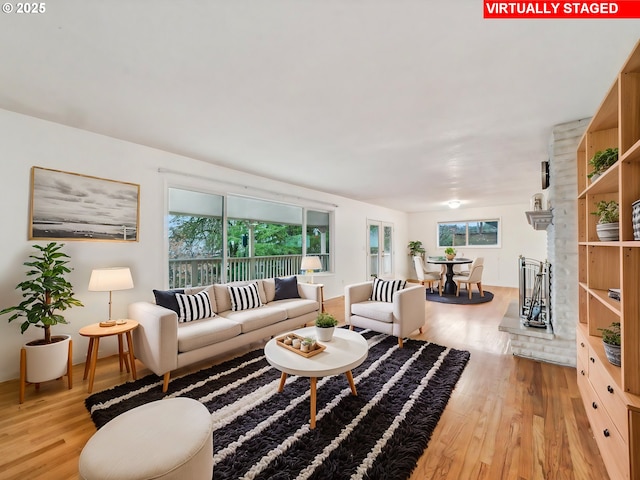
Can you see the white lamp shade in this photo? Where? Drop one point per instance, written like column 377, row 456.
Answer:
column 109, row 279
column 311, row 263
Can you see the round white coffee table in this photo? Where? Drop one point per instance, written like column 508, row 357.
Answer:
column 344, row 352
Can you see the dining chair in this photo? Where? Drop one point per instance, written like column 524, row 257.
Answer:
column 427, row 276
column 475, row 276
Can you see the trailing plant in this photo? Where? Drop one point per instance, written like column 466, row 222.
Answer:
column 608, row 211
column 326, row 320
column 611, row 335
column 449, row 251
column 415, row 248
column 45, row 292
column 602, row 160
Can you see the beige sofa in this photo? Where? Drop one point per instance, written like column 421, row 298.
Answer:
column 163, row 344
column 400, row 317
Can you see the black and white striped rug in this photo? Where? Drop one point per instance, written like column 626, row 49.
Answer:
column 262, row 434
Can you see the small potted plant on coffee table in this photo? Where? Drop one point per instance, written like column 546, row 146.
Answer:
column 325, row 326
column 611, row 343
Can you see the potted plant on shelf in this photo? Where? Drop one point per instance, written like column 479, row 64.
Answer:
column 608, row 227
column 611, row 342
column 601, row 161
column 45, row 292
column 415, row 248
column 450, row 253
column 325, row 326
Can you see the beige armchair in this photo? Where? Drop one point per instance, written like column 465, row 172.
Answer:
column 404, row 315
column 427, row 277
column 474, row 276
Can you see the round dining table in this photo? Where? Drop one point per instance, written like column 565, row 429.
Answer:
column 449, row 286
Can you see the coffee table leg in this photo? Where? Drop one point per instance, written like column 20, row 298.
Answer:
column 351, row 382
column 313, row 402
column 283, row 378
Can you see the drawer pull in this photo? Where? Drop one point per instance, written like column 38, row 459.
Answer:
column 582, row 344
column 582, row 372
column 594, row 405
column 609, row 389
column 593, row 360
column 606, row 432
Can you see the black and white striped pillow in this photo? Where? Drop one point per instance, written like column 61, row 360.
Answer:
column 383, row 290
column 244, row 298
column 194, row 307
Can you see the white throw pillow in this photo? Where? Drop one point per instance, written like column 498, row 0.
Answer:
column 383, row 290
column 244, row 298
column 194, row 307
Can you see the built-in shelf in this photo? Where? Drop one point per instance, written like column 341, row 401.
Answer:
column 539, row 219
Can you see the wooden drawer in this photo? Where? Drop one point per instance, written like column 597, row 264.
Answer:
column 613, row 448
column 609, row 395
column 582, row 348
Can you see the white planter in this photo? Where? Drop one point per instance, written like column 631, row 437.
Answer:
column 324, row 334
column 608, row 232
column 47, row 362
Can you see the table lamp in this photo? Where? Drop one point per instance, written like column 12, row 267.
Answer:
column 108, row 280
column 309, row 264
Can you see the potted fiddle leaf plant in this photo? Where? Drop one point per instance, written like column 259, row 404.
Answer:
column 601, row 161
column 450, row 253
column 611, row 343
column 45, row 292
column 325, row 326
column 608, row 227
column 416, row 248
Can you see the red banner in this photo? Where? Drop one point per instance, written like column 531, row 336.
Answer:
column 518, row 9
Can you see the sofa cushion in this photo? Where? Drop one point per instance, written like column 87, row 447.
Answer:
column 286, row 288
column 295, row 307
column 381, row 311
column 383, row 290
column 223, row 299
column 256, row 318
column 193, row 307
column 244, row 298
column 207, row 331
column 209, row 290
column 167, row 299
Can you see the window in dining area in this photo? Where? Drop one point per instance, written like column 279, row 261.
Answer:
column 472, row 233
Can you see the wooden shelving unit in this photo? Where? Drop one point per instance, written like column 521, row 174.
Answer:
column 611, row 394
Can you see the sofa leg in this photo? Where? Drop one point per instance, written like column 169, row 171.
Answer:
column 420, row 329
column 165, row 383
column 400, row 342
column 350, row 327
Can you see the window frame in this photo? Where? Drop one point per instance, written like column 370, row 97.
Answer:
column 498, row 243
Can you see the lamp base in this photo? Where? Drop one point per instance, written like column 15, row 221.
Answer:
column 108, row 323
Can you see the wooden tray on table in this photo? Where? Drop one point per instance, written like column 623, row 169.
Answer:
column 319, row 347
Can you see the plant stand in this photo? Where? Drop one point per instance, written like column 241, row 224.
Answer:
column 23, row 371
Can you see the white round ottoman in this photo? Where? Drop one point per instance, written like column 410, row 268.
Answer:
column 169, row 439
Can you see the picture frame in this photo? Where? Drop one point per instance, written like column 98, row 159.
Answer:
column 72, row 206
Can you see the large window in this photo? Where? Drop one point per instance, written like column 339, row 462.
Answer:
column 474, row 233
column 215, row 238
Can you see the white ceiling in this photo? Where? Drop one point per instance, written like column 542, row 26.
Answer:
column 400, row 103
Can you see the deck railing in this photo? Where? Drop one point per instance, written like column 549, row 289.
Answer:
column 206, row 271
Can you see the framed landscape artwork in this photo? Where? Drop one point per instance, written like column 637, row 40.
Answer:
column 70, row 206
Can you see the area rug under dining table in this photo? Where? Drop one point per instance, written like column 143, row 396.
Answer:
column 262, row 434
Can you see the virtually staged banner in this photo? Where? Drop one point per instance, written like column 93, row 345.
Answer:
column 587, row 10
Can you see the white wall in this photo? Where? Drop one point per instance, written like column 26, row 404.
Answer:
column 500, row 264
column 28, row 142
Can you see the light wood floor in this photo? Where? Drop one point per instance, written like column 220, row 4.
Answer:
column 508, row 418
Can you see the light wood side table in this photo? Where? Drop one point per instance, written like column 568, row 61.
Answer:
column 95, row 332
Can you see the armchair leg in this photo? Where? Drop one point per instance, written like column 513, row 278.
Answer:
column 469, row 288
column 400, row 342
column 480, row 288
column 458, row 288
column 165, row 382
